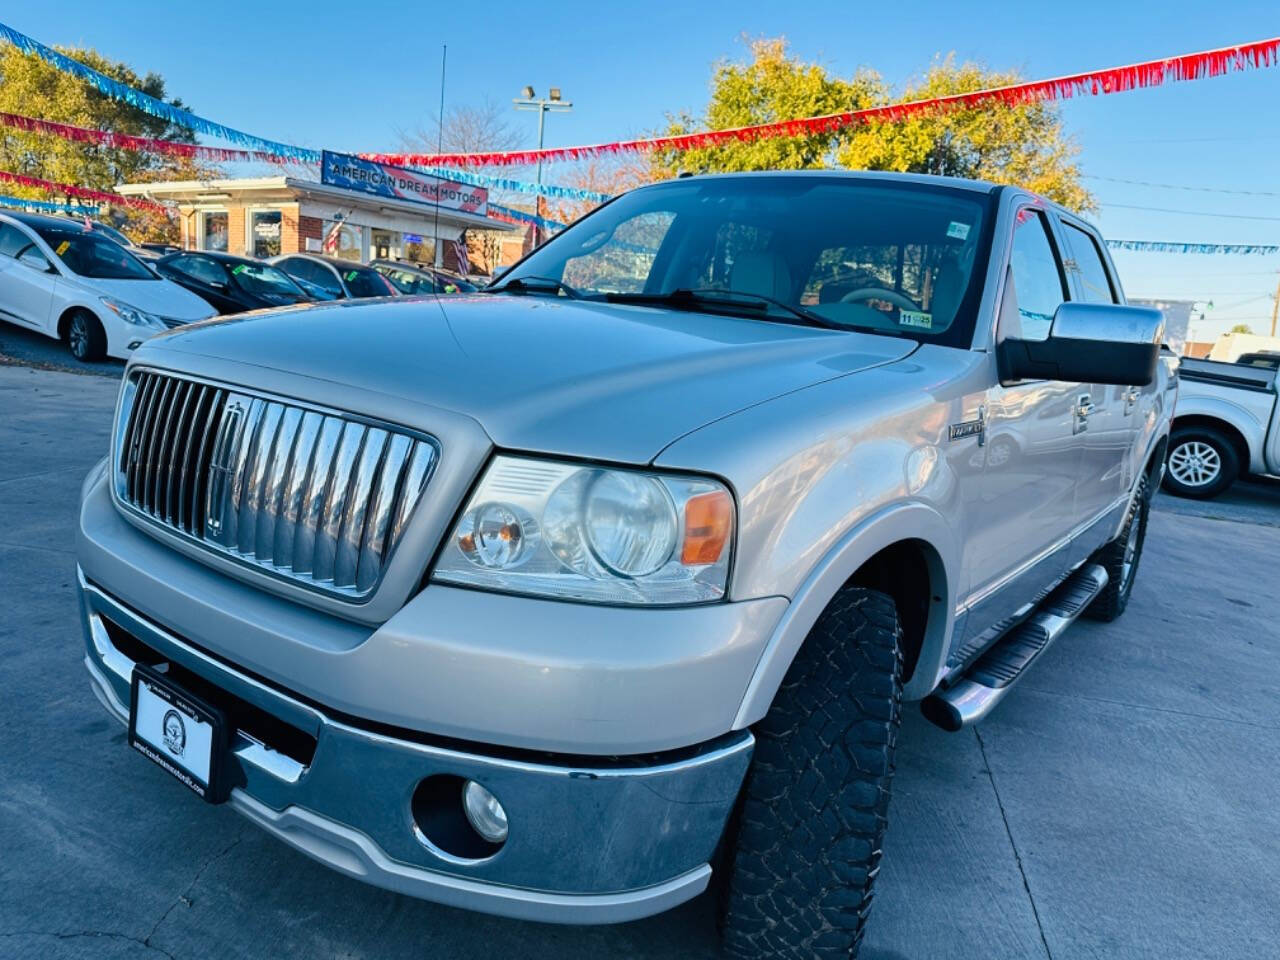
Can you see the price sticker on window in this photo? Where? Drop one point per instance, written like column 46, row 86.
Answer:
column 62, row 248
column 957, row 230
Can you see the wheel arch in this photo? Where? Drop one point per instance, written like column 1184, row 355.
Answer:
column 907, row 551
column 69, row 311
column 1216, row 420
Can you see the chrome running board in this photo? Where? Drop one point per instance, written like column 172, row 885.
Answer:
column 993, row 674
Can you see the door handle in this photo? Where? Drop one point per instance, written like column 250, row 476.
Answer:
column 1084, row 407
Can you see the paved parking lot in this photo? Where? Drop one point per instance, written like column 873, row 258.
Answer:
column 1121, row 803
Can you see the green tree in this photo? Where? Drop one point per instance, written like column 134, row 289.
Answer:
column 1024, row 145
column 771, row 86
column 33, row 88
column 1241, row 328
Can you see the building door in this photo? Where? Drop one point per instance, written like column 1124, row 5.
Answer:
column 385, row 245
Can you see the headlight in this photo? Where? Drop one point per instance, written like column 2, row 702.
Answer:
column 131, row 314
column 590, row 533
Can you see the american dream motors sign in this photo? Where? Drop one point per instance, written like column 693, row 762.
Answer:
column 396, row 183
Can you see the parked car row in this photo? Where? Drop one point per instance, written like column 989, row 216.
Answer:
column 87, row 284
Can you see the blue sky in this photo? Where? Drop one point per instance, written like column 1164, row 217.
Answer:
column 350, row 76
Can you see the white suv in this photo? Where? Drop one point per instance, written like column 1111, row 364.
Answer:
column 75, row 284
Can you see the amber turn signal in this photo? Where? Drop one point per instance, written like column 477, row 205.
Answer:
column 708, row 520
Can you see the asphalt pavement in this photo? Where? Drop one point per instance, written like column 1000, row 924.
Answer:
column 1122, row 802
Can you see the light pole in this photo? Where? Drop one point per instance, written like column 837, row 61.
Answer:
column 528, row 100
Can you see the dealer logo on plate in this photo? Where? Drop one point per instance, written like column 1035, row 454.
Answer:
column 175, row 733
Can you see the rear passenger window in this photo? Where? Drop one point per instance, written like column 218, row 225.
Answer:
column 1037, row 277
column 1095, row 284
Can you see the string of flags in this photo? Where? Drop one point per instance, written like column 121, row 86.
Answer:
column 46, row 206
column 1193, row 66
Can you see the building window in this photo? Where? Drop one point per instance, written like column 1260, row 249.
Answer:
column 344, row 240
column 264, row 233
column 214, row 231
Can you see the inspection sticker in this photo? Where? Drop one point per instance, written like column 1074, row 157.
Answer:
column 915, row 318
column 958, row 230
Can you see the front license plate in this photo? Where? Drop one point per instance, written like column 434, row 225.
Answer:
column 178, row 732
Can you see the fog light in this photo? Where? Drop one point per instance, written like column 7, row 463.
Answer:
column 484, row 812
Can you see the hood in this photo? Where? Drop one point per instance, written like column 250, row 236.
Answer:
column 162, row 297
column 593, row 380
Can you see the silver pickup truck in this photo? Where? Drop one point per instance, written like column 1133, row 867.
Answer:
column 551, row 600
column 1227, row 425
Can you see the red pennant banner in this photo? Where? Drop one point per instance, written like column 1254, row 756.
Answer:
column 82, row 193
column 1152, row 73
column 124, row 141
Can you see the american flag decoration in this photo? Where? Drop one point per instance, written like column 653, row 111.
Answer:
column 331, row 238
column 460, row 250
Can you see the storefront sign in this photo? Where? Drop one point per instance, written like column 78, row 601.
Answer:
column 382, row 180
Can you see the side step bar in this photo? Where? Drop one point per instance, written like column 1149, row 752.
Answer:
column 984, row 684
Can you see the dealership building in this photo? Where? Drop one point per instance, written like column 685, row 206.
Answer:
column 359, row 211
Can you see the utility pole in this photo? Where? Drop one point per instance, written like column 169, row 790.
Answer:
column 544, row 105
column 1275, row 309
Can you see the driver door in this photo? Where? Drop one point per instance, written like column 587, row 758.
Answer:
column 1022, row 523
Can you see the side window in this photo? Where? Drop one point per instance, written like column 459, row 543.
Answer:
column 1094, row 282
column 12, row 240
column 315, row 274
column 1037, row 276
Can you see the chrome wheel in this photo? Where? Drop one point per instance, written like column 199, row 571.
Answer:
column 1132, row 544
column 1195, row 463
column 78, row 337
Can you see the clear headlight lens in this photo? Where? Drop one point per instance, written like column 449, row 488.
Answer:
column 130, row 314
column 589, row 533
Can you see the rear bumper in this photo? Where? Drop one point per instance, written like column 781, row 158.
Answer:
column 590, row 842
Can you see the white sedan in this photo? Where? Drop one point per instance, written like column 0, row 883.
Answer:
column 74, row 284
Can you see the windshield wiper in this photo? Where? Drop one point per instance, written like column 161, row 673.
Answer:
column 684, row 297
column 524, row 285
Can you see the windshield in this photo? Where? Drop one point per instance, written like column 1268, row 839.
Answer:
column 92, row 255
column 890, row 257
column 260, row 280
column 111, row 233
column 364, row 282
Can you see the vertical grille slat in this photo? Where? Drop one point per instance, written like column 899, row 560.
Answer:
column 293, row 488
column 351, row 533
column 378, row 517
column 309, row 496
column 335, row 501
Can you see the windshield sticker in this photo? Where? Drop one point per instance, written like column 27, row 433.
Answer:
column 63, row 247
column 351, row 275
column 239, row 268
column 957, row 230
column 915, row 318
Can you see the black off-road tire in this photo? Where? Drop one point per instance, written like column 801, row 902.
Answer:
column 815, row 804
column 85, row 337
column 1120, row 557
column 1201, row 439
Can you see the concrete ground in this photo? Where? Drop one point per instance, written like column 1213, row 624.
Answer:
column 1121, row 803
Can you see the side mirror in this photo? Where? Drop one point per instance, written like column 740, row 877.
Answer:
column 34, row 259
column 1089, row 343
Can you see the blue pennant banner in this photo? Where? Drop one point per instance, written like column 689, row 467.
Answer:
column 511, row 213
column 48, row 206
column 519, row 186
column 1169, row 246
column 150, row 105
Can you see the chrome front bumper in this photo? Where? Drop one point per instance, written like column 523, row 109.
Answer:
column 603, row 841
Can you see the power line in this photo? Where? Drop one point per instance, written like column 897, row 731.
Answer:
column 1190, row 213
column 1183, row 186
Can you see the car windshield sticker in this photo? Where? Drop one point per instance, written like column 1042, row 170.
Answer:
column 351, row 275
column 239, row 268
column 62, row 247
column 957, row 230
column 914, row 318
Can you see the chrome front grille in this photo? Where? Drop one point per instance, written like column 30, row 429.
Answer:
column 310, row 495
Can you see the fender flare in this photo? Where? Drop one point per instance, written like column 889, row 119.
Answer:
column 892, row 524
